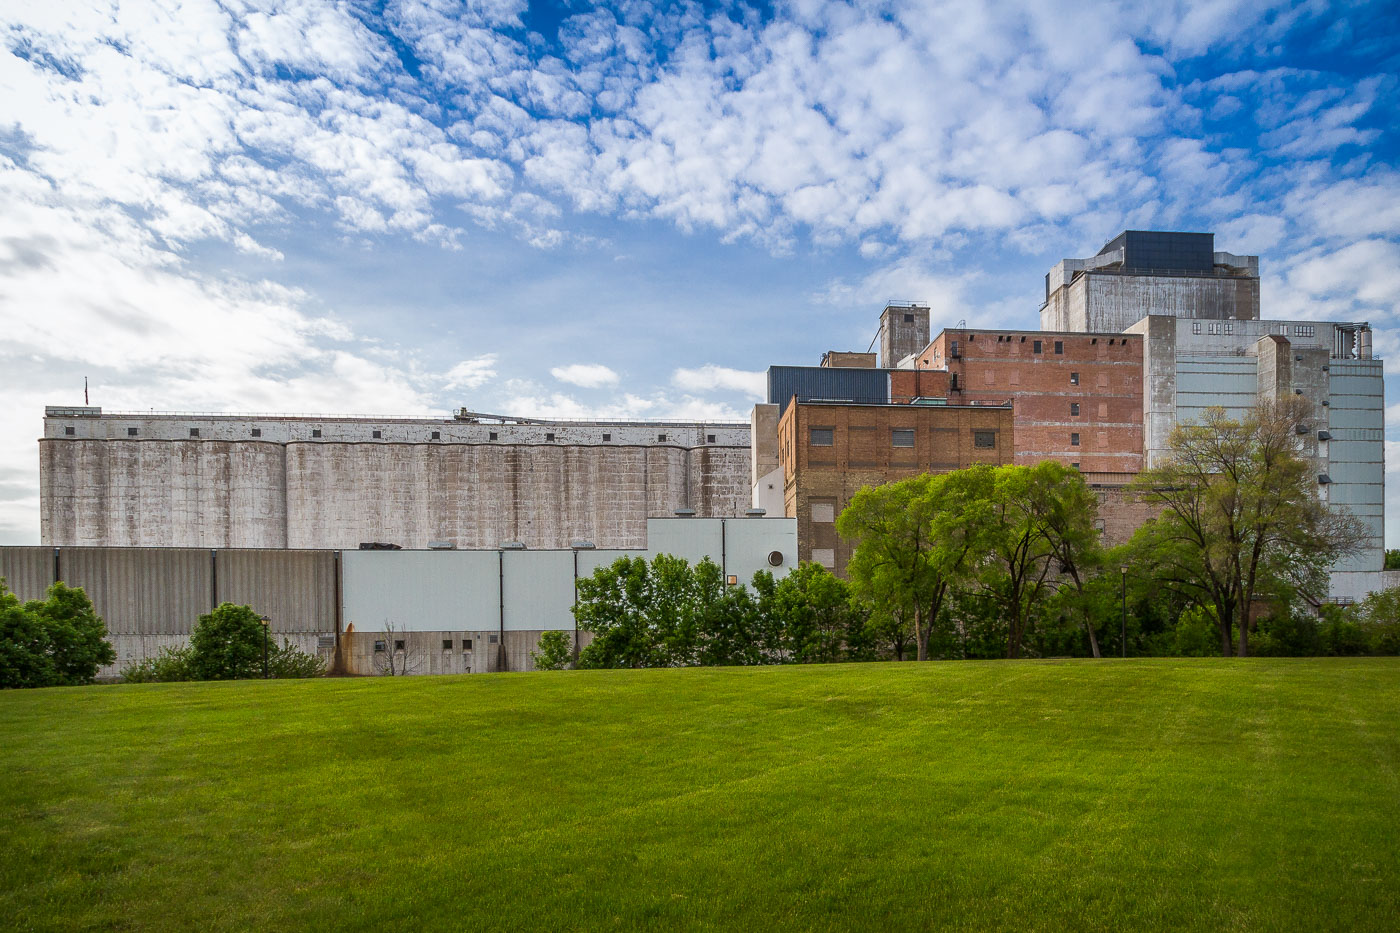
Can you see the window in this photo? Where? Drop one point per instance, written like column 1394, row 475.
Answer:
column 380, row 645
column 377, row 434
column 437, row 435
column 1035, row 346
column 466, row 644
column 1110, row 341
column 909, row 319
column 493, row 436
column 549, row 435
column 68, row 429
column 315, row 432
column 824, row 512
column 824, row 556
column 823, row 437
column 1075, row 464
column 1074, row 379
column 984, row 439
column 1074, row 440
column 398, row 644
column 1060, row 347
column 661, row 438
column 257, row 432
column 1196, row 327
column 1074, row 409
column 194, row 432
column 709, row 438
column 491, row 639
column 607, row 437
column 1305, row 330
column 447, row 644
column 1229, row 327
column 130, row 432
column 901, row 437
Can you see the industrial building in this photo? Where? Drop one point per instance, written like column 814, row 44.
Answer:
column 112, row 479
column 442, row 611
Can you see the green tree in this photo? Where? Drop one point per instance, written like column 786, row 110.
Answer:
column 556, row 650
column 26, row 653
column 915, row 538
column 815, row 608
column 1379, row 618
column 228, row 644
column 77, row 637
column 1240, row 519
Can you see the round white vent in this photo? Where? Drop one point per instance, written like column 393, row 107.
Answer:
column 775, row 558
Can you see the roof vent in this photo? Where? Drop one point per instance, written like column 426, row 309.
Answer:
column 1324, row 435
column 582, row 545
column 1323, row 479
column 775, row 558
column 756, row 513
column 379, row 546
column 512, row 545
column 442, row 545
column 685, row 513
column 1301, row 428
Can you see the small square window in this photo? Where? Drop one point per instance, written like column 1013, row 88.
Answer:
column 130, row 432
column 493, row 435
column 447, row 644
column 709, row 438
column 315, row 432
column 1060, row 347
column 257, row 432
column 984, row 439
column 909, row 319
column 1075, row 464
column 606, row 436
column 1074, row 440
column 824, row 512
column 661, row 438
column 381, row 645
column 437, row 435
column 1074, row 409
column 549, row 435
column 1035, row 346
column 823, row 437
column 466, row 644
column 194, row 432
column 901, row 437
column 1196, row 327
column 398, row 644
column 491, row 639
column 68, row 429
column 1074, row 379
column 377, row 434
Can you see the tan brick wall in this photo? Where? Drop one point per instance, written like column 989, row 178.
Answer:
column 862, row 454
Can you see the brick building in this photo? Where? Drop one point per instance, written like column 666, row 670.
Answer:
column 1077, row 397
column 829, row 450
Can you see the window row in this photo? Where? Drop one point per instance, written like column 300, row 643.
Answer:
column 70, row 431
column 899, row 437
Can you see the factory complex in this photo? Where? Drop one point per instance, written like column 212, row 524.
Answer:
column 466, row 533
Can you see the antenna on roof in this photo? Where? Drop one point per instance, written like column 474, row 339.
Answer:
column 85, row 398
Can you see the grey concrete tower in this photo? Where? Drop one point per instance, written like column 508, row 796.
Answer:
column 903, row 330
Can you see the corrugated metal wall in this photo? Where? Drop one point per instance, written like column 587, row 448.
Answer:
column 28, row 571
column 143, row 591
column 422, row 591
column 539, row 590
column 295, row 589
column 826, row 382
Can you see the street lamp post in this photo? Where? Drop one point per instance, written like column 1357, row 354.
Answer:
column 1124, row 625
column 266, row 623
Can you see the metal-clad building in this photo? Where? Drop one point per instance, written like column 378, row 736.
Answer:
column 827, row 384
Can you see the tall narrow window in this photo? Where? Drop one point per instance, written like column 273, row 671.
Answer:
column 1074, row 379
column 1074, row 409
column 1060, row 347
column 1035, row 346
column 1074, row 440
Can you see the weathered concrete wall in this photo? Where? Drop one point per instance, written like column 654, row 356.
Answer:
column 1102, row 301
column 306, row 483
column 445, row 652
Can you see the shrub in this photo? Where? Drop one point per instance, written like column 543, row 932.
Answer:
column 228, row 644
column 55, row 641
column 169, row 665
column 556, row 651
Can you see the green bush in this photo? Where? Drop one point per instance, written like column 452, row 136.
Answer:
column 55, row 641
column 556, row 651
column 169, row 665
column 289, row 662
column 228, row 644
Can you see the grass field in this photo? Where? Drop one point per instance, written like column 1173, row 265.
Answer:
column 1258, row 795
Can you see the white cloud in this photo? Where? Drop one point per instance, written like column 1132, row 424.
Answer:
column 471, row 374
column 587, row 375
column 712, row 378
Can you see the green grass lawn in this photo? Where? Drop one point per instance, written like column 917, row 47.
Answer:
column 1257, row 795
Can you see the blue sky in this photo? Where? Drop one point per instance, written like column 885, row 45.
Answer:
column 632, row 210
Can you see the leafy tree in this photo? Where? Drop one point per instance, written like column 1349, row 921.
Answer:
column 915, row 538
column 616, row 605
column 1392, row 559
column 228, row 644
column 77, row 637
column 815, row 607
column 1065, row 508
column 1240, row 518
column 1380, row 621
column 26, row 653
column 556, row 650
